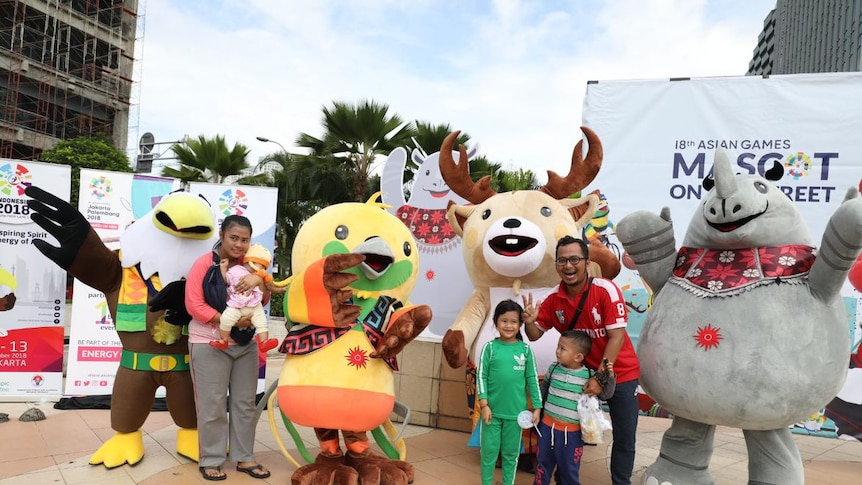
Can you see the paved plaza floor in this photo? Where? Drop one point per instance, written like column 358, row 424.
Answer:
column 57, row 451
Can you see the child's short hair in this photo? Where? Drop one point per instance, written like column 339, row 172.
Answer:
column 508, row 306
column 581, row 340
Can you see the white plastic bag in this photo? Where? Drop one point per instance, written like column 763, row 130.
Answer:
column 593, row 420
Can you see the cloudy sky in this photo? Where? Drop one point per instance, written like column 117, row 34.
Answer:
column 510, row 73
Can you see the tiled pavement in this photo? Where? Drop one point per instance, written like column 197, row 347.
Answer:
column 57, row 450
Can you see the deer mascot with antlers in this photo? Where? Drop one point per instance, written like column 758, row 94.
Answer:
column 509, row 242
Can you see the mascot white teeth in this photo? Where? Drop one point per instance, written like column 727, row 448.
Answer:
column 156, row 252
column 747, row 328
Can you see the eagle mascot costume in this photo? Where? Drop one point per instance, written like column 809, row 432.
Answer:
column 155, row 250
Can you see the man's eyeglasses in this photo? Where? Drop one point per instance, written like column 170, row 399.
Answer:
column 571, row 259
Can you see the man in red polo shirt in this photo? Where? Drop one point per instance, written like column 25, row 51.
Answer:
column 596, row 306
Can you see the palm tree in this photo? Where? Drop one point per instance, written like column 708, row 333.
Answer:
column 502, row 180
column 507, row 181
column 355, row 135
column 209, row 160
column 429, row 137
column 306, row 184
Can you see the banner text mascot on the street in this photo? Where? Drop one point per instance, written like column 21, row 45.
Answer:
column 747, row 328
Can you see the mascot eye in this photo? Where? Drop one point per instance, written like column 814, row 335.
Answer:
column 486, row 214
column 761, row 187
column 545, row 211
column 428, row 172
column 341, row 232
column 407, row 249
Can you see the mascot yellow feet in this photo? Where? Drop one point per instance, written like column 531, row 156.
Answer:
column 120, row 449
column 187, row 443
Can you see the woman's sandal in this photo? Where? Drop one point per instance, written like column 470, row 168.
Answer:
column 221, row 475
column 256, row 471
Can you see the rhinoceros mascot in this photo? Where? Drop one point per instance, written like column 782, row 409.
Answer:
column 747, row 329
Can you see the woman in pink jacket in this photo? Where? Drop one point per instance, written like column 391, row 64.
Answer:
column 216, row 372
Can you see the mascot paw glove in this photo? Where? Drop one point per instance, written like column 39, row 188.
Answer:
column 9, row 302
column 405, row 325
column 454, row 348
column 62, row 221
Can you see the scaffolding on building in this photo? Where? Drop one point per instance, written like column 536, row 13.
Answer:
column 66, row 70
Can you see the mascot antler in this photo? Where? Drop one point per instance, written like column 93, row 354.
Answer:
column 581, row 172
column 457, row 177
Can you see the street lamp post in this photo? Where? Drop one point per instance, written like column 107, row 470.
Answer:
column 264, row 139
column 267, row 140
column 283, row 150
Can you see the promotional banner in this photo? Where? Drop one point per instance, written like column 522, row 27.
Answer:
column 32, row 288
column 256, row 203
column 110, row 201
column 659, row 139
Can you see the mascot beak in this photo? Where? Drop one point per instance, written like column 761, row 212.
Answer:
column 184, row 215
column 378, row 257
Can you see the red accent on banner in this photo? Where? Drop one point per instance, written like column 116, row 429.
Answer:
column 38, row 349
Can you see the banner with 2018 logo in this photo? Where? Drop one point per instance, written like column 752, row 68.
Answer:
column 32, row 288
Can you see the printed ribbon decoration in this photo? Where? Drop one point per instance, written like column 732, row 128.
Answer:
column 429, row 227
column 726, row 272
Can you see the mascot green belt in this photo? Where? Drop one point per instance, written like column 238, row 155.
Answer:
column 353, row 267
column 747, row 329
column 156, row 250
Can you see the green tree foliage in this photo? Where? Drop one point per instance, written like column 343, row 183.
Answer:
column 355, row 135
column 84, row 152
column 507, row 181
column 210, row 160
column 306, row 184
column 428, row 139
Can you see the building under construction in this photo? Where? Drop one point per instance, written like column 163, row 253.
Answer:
column 65, row 71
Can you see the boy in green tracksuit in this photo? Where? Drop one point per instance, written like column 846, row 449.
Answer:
column 507, row 372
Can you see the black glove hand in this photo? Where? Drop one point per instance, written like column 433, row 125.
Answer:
column 172, row 299
column 62, row 221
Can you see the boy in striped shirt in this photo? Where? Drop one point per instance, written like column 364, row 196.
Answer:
column 560, row 443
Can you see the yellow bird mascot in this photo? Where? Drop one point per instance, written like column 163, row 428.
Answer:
column 354, row 266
